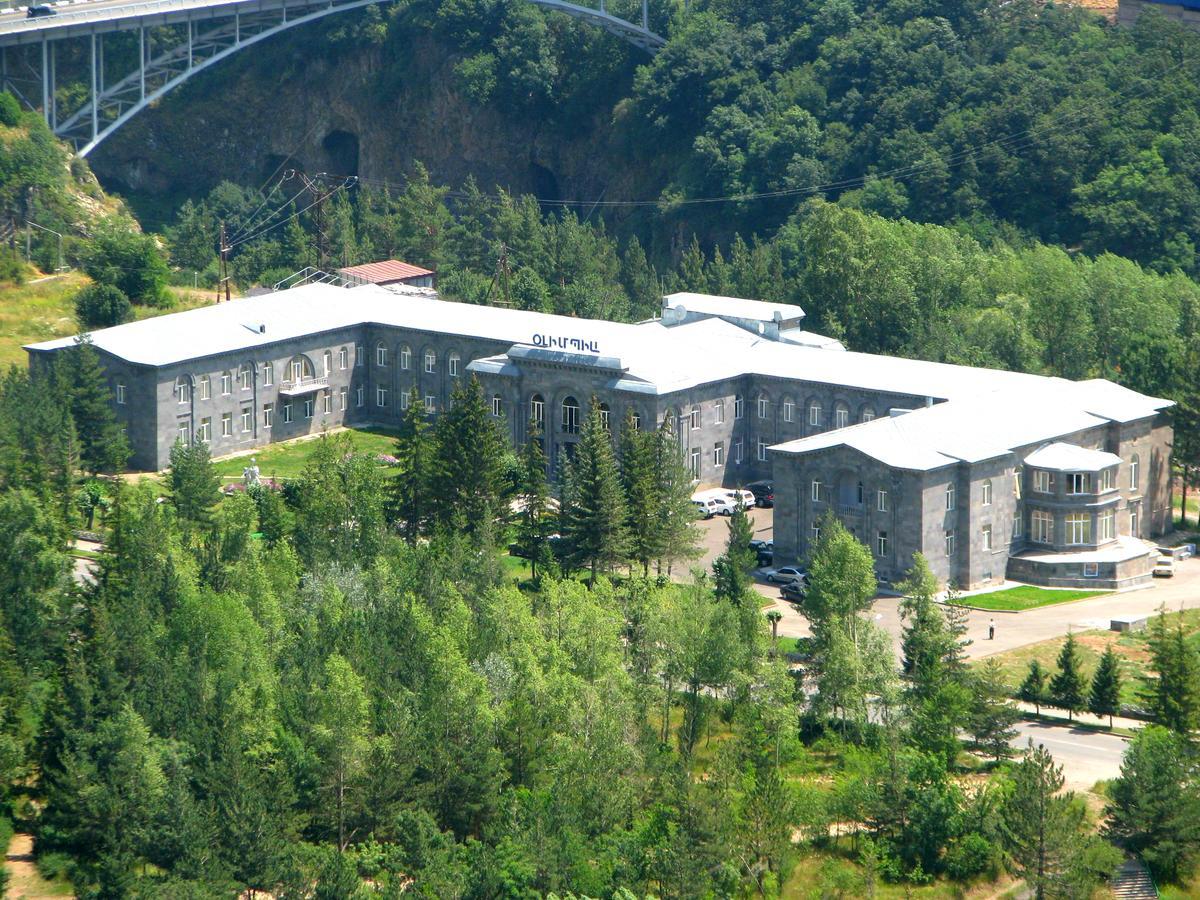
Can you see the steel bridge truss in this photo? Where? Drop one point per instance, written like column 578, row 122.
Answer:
column 213, row 33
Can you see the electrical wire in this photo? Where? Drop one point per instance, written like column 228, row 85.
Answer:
column 345, row 185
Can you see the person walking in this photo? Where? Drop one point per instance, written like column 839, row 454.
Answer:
column 991, row 629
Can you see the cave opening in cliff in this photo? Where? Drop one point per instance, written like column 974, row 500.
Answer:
column 341, row 152
column 545, row 184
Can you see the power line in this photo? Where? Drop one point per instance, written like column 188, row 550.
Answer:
column 345, row 185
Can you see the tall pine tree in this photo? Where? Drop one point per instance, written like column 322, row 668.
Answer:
column 536, row 519
column 593, row 510
column 1105, row 696
column 410, row 501
column 1068, row 686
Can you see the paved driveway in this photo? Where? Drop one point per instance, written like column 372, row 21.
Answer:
column 1086, row 756
column 1018, row 629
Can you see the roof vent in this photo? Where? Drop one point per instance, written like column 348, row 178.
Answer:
column 262, row 328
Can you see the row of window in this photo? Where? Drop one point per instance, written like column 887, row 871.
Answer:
column 299, row 369
column 1081, row 482
column 308, row 405
column 383, row 359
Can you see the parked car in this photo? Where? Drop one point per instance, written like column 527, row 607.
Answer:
column 764, row 493
column 758, row 545
column 40, row 11
column 786, row 574
column 1165, row 567
column 713, row 503
column 747, row 497
column 793, row 591
column 766, row 556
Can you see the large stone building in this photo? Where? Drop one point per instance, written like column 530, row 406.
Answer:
column 985, row 472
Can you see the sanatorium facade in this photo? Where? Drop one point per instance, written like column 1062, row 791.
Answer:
column 988, row 473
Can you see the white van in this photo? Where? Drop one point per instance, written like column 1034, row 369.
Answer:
column 713, row 503
column 747, row 497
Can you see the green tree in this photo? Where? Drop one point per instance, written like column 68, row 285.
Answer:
column 103, row 446
column 1045, row 832
column 677, row 535
column 1173, row 690
column 731, row 570
column 992, row 717
column 535, row 519
column 1105, row 696
column 10, row 110
column 126, row 259
column 593, row 507
column 468, row 474
column 341, row 731
column 1068, row 687
column 412, row 492
column 1033, row 688
column 1155, row 808
column 101, row 306
column 193, row 483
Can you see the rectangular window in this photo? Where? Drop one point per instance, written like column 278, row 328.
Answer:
column 1091, row 570
column 737, row 452
column 1043, row 481
column 327, row 402
column 739, row 407
column 430, row 404
column 719, row 412
column 949, row 497
column 244, row 377
column 381, row 396
column 1079, row 483
column 814, row 415
column 881, row 544
column 1042, row 526
column 268, row 374
column 719, row 454
column 762, row 451
column 987, row 537
column 308, row 408
column 537, row 412
column 694, row 463
column 868, row 415
column 497, row 406
column 452, row 364
column 360, row 354
column 287, row 413
column 841, row 418
column 204, row 432
column 205, row 388
column 1079, row 528
column 762, row 407
column 949, row 543
column 816, row 492
column 183, row 388
column 247, row 418
column 268, row 415
column 185, row 433
column 120, row 394
column 986, row 492
column 694, row 418
column 814, row 534
column 789, row 410
column 226, row 384
column 405, row 399
column 881, row 501
column 381, row 355
column 226, row 424
column 360, row 396
column 430, row 362
column 326, row 363
column 1107, row 524
column 344, row 399
column 1133, row 522
column 1018, row 526
column 1017, row 482
column 343, row 358
column 1108, row 480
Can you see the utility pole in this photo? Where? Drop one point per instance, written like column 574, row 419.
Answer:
column 501, row 277
column 224, row 249
column 321, row 191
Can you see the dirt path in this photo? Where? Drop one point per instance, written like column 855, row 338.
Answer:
column 24, row 882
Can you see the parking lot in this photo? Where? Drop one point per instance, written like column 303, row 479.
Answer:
column 716, row 533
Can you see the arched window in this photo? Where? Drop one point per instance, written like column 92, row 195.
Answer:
column 244, row 376
column 868, row 414
column 452, row 364
column 986, row 492
column 381, row 354
column 537, row 411
column 430, row 362
column 816, row 415
column 605, row 416
column 763, row 406
column 343, row 358
column 841, row 415
column 570, row 415
column 327, row 362
column 405, row 357
column 789, row 409
column 1135, row 463
column 226, row 383
column 669, row 421
column 949, row 497
column 183, row 389
column 497, row 406
column 299, row 369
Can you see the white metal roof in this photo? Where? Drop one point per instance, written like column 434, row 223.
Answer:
column 1064, row 457
column 737, row 307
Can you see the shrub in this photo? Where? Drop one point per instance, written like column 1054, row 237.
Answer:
column 11, row 267
column 129, row 260
column 970, row 857
column 10, row 110
column 101, row 306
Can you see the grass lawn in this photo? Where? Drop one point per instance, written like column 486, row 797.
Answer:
column 287, row 460
column 819, row 874
column 1026, row 597
column 1130, row 647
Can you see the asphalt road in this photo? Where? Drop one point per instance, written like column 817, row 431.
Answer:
column 1086, row 756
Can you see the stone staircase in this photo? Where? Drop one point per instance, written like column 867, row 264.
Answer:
column 1133, row 882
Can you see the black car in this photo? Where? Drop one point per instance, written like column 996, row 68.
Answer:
column 40, row 11
column 793, row 591
column 764, row 493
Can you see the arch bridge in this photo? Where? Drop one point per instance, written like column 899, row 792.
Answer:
column 176, row 39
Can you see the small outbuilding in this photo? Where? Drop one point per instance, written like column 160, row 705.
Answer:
column 389, row 272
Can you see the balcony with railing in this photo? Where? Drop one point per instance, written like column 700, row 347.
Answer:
column 308, row 385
